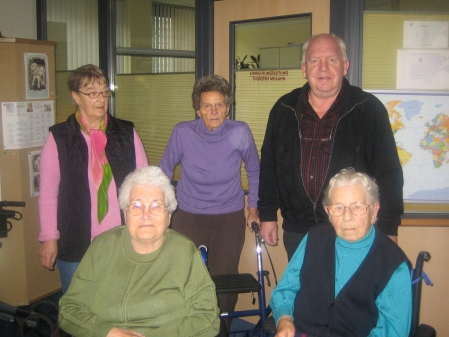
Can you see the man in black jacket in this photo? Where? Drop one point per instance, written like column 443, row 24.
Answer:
column 315, row 131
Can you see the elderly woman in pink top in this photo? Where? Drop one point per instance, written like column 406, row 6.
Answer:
column 83, row 163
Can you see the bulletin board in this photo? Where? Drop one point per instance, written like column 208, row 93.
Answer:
column 383, row 34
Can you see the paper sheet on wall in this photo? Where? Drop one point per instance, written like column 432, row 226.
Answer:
column 426, row 34
column 25, row 124
column 422, row 69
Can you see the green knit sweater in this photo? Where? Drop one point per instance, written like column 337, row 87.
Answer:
column 166, row 293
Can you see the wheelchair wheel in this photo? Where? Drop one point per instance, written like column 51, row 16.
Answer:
column 37, row 325
column 47, row 308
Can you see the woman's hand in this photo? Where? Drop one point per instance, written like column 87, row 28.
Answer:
column 253, row 216
column 285, row 327
column 117, row 332
column 48, row 253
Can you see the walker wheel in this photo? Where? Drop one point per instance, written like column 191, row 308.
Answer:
column 37, row 325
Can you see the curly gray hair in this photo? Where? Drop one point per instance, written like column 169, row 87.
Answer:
column 151, row 176
column 211, row 83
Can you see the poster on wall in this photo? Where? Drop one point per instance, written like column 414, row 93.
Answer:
column 36, row 76
column 34, row 159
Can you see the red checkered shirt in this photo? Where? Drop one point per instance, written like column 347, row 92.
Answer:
column 317, row 138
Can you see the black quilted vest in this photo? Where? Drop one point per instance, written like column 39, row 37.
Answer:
column 74, row 206
column 354, row 312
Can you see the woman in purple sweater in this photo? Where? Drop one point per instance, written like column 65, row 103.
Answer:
column 210, row 195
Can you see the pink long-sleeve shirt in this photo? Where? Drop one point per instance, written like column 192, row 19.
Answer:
column 48, row 195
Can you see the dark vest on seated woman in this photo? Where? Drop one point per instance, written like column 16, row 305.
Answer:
column 354, row 312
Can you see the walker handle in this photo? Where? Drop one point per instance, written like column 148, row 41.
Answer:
column 255, row 227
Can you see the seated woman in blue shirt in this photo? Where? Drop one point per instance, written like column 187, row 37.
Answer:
column 348, row 279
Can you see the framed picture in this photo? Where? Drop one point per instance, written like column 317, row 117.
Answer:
column 36, row 76
column 34, row 159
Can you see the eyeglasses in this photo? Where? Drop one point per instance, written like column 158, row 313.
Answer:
column 357, row 208
column 95, row 94
column 314, row 139
column 307, row 123
column 136, row 208
column 209, row 107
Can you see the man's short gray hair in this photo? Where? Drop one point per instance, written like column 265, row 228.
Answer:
column 151, row 176
column 349, row 177
column 337, row 39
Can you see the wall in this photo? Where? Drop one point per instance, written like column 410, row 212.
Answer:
column 18, row 18
column 434, row 304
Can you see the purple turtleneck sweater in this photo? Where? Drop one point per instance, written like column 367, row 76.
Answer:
column 210, row 166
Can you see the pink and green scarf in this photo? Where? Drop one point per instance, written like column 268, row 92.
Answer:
column 101, row 170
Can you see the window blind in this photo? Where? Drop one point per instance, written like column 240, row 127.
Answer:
column 81, row 19
column 173, row 28
column 155, row 103
column 256, row 91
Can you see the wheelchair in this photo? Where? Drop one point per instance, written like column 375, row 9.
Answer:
column 246, row 283
column 39, row 320
column 417, row 276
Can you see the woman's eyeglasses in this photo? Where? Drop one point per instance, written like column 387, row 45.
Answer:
column 209, row 107
column 137, row 208
column 95, row 94
column 357, row 208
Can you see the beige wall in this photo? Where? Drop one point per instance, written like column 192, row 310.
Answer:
column 434, row 304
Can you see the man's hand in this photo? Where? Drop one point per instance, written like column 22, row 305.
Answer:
column 269, row 232
column 48, row 253
column 117, row 332
column 253, row 216
column 285, row 327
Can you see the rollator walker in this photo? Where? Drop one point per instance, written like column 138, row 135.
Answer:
column 246, row 283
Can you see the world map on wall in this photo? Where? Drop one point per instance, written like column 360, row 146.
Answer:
column 420, row 124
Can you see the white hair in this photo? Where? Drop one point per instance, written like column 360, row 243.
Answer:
column 337, row 39
column 151, row 176
column 349, row 177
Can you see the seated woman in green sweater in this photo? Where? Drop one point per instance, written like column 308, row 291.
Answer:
column 142, row 279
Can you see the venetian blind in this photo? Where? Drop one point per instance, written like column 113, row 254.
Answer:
column 173, row 28
column 155, row 103
column 81, row 20
column 64, row 103
column 256, row 91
